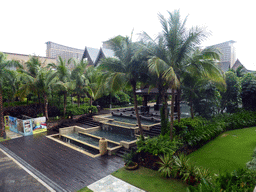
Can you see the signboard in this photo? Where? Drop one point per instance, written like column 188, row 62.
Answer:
column 27, row 126
column 6, row 122
column 13, row 124
column 39, row 125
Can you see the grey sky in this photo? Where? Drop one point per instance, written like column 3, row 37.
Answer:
column 27, row 25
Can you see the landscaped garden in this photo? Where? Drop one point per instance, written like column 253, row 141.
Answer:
column 208, row 152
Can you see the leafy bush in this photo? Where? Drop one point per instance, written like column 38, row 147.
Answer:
column 248, row 93
column 158, row 145
column 16, row 103
column 181, row 168
column 83, row 109
column 197, row 131
column 166, row 164
column 129, row 158
column 239, row 181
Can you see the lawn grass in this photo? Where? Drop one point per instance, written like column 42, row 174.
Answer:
column 149, row 180
column 229, row 151
column 86, row 189
column 1, row 139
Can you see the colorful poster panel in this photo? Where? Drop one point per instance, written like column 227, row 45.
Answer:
column 13, row 124
column 27, row 126
column 39, row 125
column 6, row 122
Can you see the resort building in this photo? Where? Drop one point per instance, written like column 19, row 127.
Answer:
column 92, row 55
column 55, row 50
column 228, row 57
column 24, row 58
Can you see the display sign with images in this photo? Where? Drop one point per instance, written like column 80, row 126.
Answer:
column 27, row 126
column 6, row 122
column 39, row 125
column 13, row 124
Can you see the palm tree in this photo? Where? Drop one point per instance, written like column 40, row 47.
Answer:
column 33, row 65
column 174, row 46
column 4, row 73
column 45, row 81
column 200, row 67
column 78, row 76
column 127, row 68
column 64, row 75
column 94, row 84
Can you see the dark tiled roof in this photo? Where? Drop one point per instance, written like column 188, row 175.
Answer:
column 224, row 66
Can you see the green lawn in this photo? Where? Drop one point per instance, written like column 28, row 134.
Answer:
column 1, row 139
column 229, row 151
column 85, row 190
column 149, row 180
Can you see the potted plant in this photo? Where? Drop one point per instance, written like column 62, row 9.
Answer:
column 129, row 159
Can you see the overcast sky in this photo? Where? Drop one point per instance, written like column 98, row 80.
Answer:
column 27, row 25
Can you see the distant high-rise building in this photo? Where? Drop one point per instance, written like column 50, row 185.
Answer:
column 55, row 50
column 228, row 57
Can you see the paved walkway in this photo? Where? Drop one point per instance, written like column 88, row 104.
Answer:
column 15, row 178
column 12, row 135
column 113, row 184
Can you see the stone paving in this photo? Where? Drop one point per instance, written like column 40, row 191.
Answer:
column 112, row 184
column 12, row 135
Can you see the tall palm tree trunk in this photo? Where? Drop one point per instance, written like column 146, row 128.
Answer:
column 46, row 106
column 78, row 99
column 39, row 101
column 172, row 114
column 65, row 103
column 191, row 109
column 136, row 107
column 1, row 115
column 178, row 103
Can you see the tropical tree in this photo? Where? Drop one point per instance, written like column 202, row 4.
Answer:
column 177, row 44
column 201, row 71
column 78, row 76
column 230, row 98
column 33, row 66
column 45, row 81
column 94, row 83
column 65, row 84
column 12, row 84
column 159, row 62
column 129, row 67
column 4, row 73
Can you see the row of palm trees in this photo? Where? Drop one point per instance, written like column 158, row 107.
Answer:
column 172, row 60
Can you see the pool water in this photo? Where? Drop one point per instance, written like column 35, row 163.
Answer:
column 116, row 136
column 91, row 140
column 131, row 120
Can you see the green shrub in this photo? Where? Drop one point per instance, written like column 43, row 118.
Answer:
column 72, row 110
column 197, row 131
column 159, row 145
column 181, row 168
column 237, row 181
column 129, row 158
column 16, row 103
column 166, row 165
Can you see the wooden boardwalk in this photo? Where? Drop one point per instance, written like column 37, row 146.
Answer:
column 69, row 169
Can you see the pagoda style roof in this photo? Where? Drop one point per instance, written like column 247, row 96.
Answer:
column 94, row 55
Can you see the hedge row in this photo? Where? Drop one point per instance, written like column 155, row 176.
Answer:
column 197, row 131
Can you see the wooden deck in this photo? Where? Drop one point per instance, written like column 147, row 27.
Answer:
column 67, row 168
